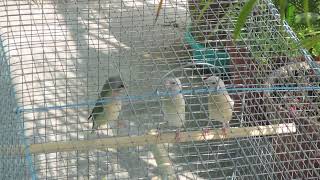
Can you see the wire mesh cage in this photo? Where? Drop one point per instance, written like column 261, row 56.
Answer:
column 56, row 63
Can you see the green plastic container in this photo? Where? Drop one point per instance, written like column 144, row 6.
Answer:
column 201, row 54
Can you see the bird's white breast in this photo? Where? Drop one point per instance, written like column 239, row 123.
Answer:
column 220, row 107
column 112, row 110
column 174, row 110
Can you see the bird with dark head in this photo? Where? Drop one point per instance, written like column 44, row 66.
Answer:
column 108, row 106
column 113, row 84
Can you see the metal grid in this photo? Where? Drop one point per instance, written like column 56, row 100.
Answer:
column 11, row 130
column 58, row 54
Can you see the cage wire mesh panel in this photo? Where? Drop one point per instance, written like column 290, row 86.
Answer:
column 57, row 56
column 12, row 134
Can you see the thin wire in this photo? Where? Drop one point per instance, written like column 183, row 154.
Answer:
column 191, row 64
column 20, row 109
column 19, row 117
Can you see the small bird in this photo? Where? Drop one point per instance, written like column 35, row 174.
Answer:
column 107, row 110
column 220, row 104
column 174, row 107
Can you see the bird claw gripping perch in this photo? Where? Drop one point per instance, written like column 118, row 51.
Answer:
column 177, row 136
column 158, row 133
column 205, row 132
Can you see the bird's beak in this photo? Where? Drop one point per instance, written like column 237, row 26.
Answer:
column 123, row 86
column 120, row 89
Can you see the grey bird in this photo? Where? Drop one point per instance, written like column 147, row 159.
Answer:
column 174, row 107
column 220, row 104
column 107, row 107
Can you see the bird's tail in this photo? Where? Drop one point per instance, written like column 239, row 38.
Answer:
column 90, row 116
column 93, row 127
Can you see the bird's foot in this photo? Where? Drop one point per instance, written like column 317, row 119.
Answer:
column 177, row 136
column 158, row 133
column 293, row 110
column 224, row 132
column 205, row 132
column 95, row 133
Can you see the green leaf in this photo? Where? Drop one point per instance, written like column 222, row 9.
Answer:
column 245, row 11
column 314, row 33
column 316, row 50
column 283, row 4
column 204, row 9
column 306, row 10
column 310, row 42
column 290, row 14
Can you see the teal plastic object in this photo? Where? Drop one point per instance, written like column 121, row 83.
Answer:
column 211, row 56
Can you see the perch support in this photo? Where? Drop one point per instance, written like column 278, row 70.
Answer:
column 162, row 158
column 148, row 139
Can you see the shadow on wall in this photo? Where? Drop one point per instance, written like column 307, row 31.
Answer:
column 71, row 49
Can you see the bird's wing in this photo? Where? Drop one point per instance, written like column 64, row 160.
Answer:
column 106, row 91
column 98, row 109
column 230, row 100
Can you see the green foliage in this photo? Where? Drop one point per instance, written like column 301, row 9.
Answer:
column 283, row 4
column 290, row 14
column 205, row 5
column 245, row 11
column 304, row 18
column 302, row 15
column 316, row 50
column 306, row 10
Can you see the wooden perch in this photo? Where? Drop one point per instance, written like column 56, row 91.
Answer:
column 151, row 138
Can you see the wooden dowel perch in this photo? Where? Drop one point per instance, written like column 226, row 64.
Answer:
column 152, row 138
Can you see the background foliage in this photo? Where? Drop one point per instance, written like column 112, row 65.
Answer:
column 302, row 15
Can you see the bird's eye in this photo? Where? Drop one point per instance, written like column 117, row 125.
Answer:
column 173, row 82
